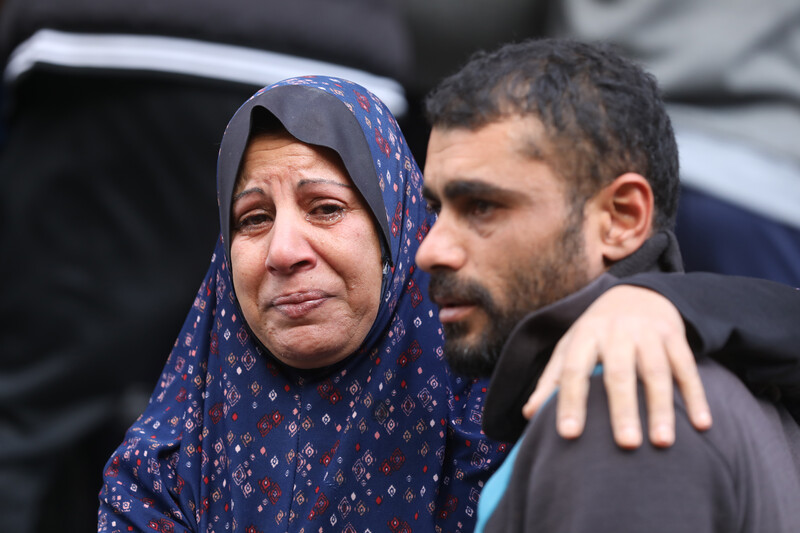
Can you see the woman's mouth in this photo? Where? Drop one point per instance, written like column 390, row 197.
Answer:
column 299, row 304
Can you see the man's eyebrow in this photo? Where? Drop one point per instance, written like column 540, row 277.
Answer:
column 428, row 194
column 459, row 188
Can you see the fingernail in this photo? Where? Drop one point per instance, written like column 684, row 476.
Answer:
column 704, row 419
column 629, row 435
column 662, row 434
column 568, row 427
column 527, row 410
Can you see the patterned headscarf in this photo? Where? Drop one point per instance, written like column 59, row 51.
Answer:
column 385, row 440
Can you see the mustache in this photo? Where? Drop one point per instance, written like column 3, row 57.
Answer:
column 446, row 287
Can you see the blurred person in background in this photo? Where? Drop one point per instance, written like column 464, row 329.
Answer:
column 114, row 111
column 730, row 72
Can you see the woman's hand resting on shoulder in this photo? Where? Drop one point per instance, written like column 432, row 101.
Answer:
column 630, row 331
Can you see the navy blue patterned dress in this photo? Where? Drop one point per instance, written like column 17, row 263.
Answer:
column 386, row 440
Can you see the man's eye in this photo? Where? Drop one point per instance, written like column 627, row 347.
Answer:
column 481, row 208
column 326, row 214
column 433, row 207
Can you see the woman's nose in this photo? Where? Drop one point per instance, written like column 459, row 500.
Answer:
column 290, row 249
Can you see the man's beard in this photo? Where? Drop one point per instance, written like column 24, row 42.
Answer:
column 555, row 272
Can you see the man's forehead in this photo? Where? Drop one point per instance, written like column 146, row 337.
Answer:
column 492, row 155
column 523, row 134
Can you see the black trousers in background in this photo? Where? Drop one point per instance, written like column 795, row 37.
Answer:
column 108, row 218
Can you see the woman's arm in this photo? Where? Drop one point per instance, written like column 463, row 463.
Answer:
column 647, row 326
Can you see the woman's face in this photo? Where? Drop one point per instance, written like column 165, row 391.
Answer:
column 305, row 253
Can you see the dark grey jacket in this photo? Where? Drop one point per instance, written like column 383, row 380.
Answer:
column 741, row 475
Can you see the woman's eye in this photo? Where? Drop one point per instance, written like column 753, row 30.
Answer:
column 253, row 221
column 326, row 213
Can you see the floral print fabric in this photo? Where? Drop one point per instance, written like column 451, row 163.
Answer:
column 386, row 440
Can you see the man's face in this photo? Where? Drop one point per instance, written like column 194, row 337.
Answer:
column 506, row 241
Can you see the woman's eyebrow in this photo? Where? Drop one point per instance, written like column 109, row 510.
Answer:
column 304, row 182
column 301, row 183
column 246, row 192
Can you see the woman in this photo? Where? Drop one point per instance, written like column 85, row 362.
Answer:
column 308, row 389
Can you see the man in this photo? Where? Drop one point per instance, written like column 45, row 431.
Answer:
column 553, row 167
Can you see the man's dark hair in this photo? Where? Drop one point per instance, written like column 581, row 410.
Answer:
column 603, row 115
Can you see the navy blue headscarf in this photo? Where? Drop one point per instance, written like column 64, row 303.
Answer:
column 385, row 440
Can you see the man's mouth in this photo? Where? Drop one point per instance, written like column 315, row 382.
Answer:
column 453, row 310
column 457, row 299
column 298, row 304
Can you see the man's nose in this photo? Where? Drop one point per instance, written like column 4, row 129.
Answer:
column 290, row 246
column 440, row 249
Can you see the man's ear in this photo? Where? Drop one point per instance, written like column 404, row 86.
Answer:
column 624, row 211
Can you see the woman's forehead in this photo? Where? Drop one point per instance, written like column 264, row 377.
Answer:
column 280, row 150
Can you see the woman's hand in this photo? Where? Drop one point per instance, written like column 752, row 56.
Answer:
column 628, row 329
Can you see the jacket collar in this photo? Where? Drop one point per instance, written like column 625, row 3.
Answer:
column 532, row 341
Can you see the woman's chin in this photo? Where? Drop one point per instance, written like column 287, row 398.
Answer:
column 307, row 355
column 316, row 344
